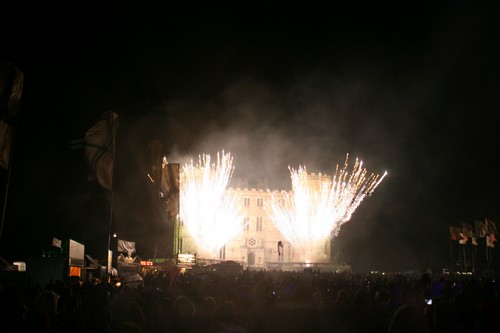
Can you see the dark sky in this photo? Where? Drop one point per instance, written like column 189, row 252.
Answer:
column 411, row 89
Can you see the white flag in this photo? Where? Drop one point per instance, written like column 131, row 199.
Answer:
column 56, row 242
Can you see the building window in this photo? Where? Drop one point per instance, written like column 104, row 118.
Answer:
column 259, row 224
column 246, row 224
column 260, row 202
column 246, row 202
column 252, row 242
column 222, row 252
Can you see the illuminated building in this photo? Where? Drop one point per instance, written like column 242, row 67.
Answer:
column 264, row 229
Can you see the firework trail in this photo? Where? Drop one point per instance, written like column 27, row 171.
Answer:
column 211, row 214
column 319, row 205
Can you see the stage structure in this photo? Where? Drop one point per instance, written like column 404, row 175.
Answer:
column 68, row 260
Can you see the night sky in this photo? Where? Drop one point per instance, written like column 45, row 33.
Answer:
column 409, row 89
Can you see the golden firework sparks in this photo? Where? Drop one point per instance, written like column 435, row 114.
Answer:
column 211, row 214
column 319, row 205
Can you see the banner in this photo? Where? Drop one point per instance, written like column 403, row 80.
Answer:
column 127, row 247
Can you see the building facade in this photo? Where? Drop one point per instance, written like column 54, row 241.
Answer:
column 260, row 244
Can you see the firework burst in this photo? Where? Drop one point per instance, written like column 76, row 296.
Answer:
column 319, row 205
column 211, row 214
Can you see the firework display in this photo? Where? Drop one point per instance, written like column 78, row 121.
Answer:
column 211, row 214
column 319, row 205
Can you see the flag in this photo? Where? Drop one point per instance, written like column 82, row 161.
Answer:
column 467, row 231
column 490, row 240
column 11, row 87
column 455, row 233
column 5, row 144
column 475, row 232
column 56, row 242
column 491, row 227
column 480, row 229
column 100, row 149
column 491, row 231
column 127, row 247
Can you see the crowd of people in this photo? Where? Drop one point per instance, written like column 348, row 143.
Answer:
column 256, row 302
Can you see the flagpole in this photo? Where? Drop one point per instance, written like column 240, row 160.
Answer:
column 112, row 121
column 6, row 194
column 461, row 253
column 487, row 256
column 11, row 109
column 157, row 220
column 451, row 257
column 110, row 226
column 157, row 157
column 7, row 185
column 491, row 255
column 473, row 259
column 465, row 258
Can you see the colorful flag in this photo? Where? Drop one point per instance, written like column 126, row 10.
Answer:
column 100, row 149
column 491, row 227
column 455, row 233
column 467, row 231
column 472, row 231
column 11, row 87
column 491, row 231
column 480, row 229
column 490, row 240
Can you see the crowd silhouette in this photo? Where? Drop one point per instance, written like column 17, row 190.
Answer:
column 256, row 302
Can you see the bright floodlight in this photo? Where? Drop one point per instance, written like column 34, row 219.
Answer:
column 211, row 214
column 318, row 205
